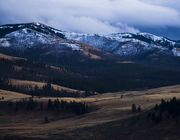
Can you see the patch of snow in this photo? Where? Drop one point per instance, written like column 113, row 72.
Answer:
column 19, row 26
column 25, row 30
column 4, row 42
column 36, row 23
column 74, row 47
column 176, row 51
column 6, row 27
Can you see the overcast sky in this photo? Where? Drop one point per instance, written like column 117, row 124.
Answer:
column 161, row 17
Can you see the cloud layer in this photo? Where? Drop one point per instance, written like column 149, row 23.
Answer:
column 93, row 16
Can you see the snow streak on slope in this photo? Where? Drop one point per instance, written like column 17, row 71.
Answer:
column 122, row 44
column 125, row 44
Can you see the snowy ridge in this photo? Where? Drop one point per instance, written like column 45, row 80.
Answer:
column 122, row 44
column 35, row 35
column 125, row 44
column 6, row 29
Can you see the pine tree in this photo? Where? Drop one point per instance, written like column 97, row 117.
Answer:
column 133, row 108
column 46, row 119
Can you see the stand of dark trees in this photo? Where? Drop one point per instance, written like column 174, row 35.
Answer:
column 57, row 105
column 76, row 72
column 165, row 110
column 47, row 90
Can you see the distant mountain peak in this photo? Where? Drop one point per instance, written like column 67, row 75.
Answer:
column 37, row 36
column 127, row 44
column 122, row 44
column 39, row 27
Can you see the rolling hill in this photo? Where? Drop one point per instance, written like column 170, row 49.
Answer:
column 72, row 60
column 70, row 86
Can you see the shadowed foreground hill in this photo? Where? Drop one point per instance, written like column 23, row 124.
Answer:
column 113, row 119
column 135, row 128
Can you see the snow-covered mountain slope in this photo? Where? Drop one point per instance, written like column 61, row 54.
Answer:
column 27, row 38
column 126, row 44
column 122, row 44
column 6, row 29
column 35, row 35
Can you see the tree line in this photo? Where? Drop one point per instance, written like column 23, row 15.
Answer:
column 29, row 105
column 165, row 110
column 47, row 90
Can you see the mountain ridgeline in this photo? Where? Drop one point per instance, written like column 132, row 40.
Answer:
column 122, row 44
column 87, row 62
column 6, row 29
column 128, row 44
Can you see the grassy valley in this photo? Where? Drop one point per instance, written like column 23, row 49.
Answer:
column 63, row 89
column 112, row 118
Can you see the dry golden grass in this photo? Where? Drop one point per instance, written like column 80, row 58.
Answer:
column 92, row 56
column 9, row 95
column 68, row 99
column 125, row 62
column 8, row 57
column 111, row 107
column 39, row 84
column 89, row 51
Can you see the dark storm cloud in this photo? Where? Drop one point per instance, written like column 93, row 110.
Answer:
column 93, row 16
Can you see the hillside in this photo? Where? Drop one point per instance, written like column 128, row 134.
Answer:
column 113, row 117
column 128, row 44
column 43, row 54
column 63, row 85
column 74, row 74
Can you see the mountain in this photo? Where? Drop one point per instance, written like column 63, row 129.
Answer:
column 6, row 29
column 23, row 37
column 127, row 44
column 87, row 62
column 121, row 44
column 48, row 77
